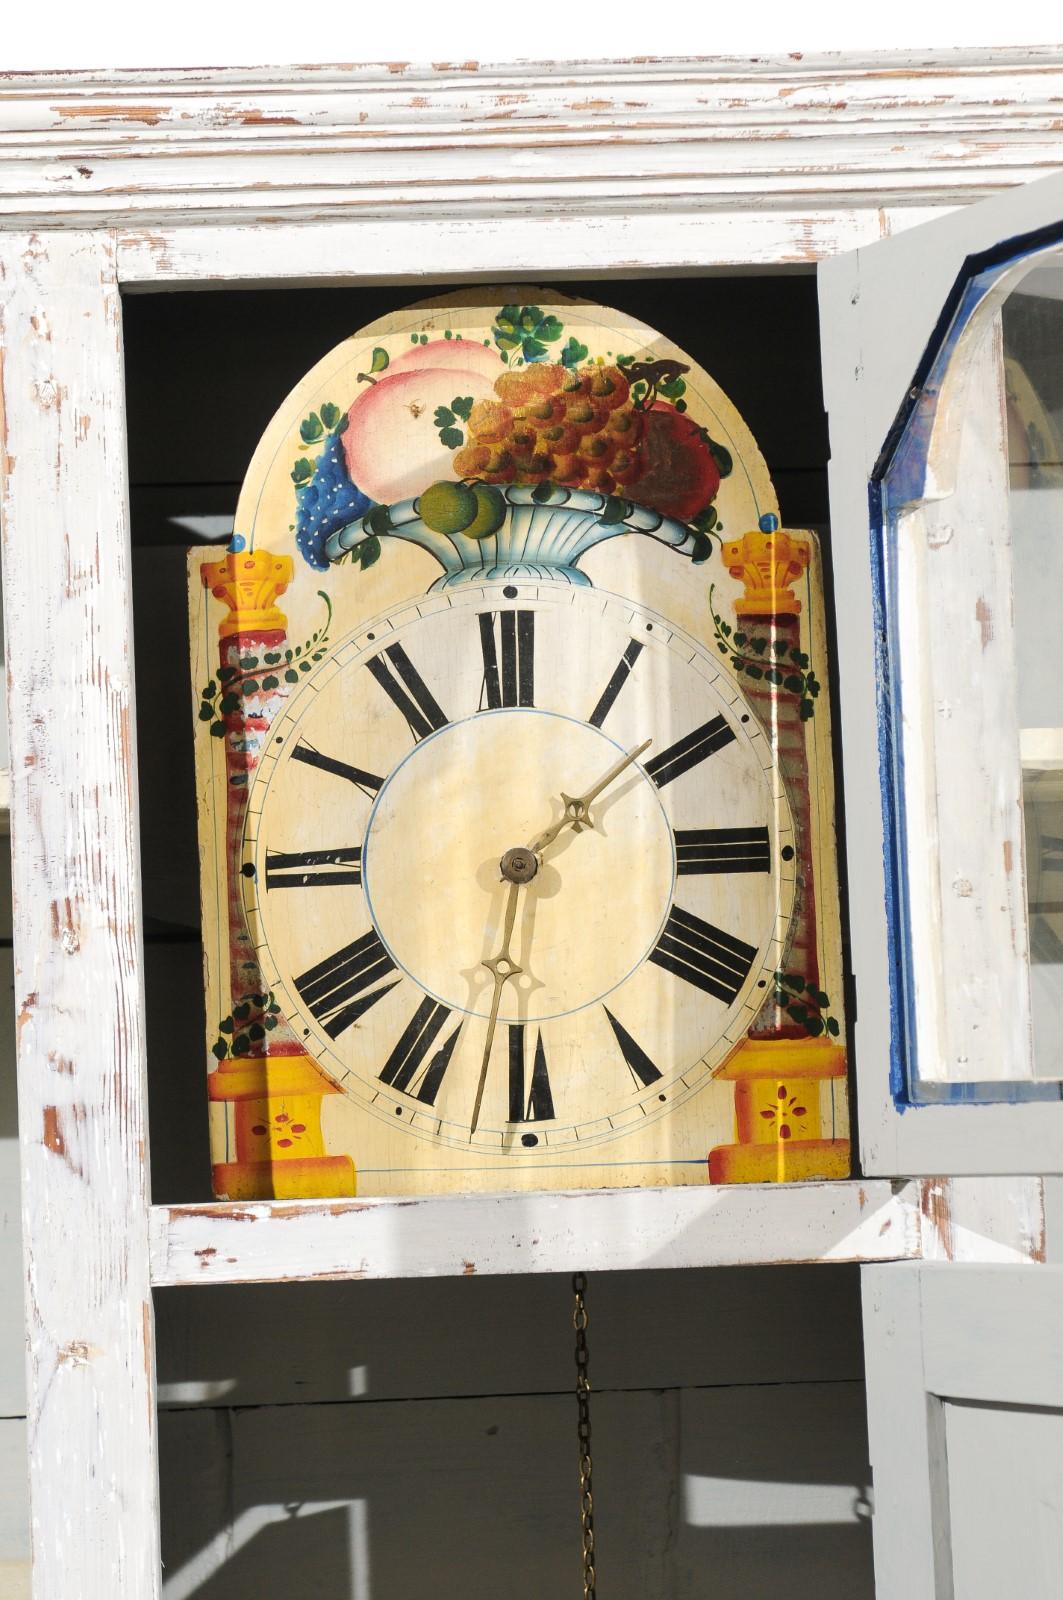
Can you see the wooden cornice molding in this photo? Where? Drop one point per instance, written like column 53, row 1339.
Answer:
column 800, row 134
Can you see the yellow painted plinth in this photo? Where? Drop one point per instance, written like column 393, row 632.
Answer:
column 778, row 1125
column 320, row 1178
column 801, row 1161
column 280, row 1147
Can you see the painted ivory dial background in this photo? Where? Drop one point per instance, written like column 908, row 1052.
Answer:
column 455, row 802
column 667, row 1149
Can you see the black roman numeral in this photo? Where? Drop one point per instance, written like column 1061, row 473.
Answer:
column 509, row 664
column 313, row 869
column 396, row 676
column 642, row 1068
column 538, row 1104
column 406, row 1069
column 368, row 782
column 703, row 955
column 615, row 684
column 688, row 752
column 335, row 990
column 721, row 850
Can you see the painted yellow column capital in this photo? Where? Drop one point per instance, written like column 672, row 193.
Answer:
column 249, row 582
column 767, row 562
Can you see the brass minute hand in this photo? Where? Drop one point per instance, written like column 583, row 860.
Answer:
column 576, row 809
column 501, row 967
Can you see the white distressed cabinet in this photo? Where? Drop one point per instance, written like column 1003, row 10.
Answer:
column 144, row 182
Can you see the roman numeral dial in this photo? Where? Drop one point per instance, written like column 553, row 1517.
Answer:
column 701, row 850
column 691, row 751
column 700, row 954
column 529, row 1101
column 407, row 690
column 313, row 869
column 340, row 989
column 409, row 1067
column 508, row 644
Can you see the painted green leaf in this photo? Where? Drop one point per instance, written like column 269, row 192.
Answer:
column 330, row 414
column 242, row 1011
column 256, row 1031
column 227, row 703
column 702, row 548
column 303, row 470
column 443, row 417
column 794, row 684
column 573, row 353
column 549, row 330
column 271, row 682
column 269, row 1022
column 833, row 1026
column 461, row 405
column 291, row 677
column 226, row 1026
column 450, row 438
column 754, row 671
column 379, row 521
column 814, row 1026
column 206, row 713
column 368, row 553
column 220, row 1049
column 311, row 430
column 217, row 729
column 542, row 493
column 532, row 350
column 722, row 457
column 380, row 360
column 240, row 1044
column 225, row 673
column 774, row 677
column 613, row 511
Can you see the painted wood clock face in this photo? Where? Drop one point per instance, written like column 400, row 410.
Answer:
column 428, row 744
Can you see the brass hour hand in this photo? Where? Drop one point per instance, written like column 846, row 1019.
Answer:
column 576, row 814
column 502, row 967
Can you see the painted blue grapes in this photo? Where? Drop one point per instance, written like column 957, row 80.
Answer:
column 326, row 502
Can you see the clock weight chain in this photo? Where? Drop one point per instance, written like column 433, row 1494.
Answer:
column 583, row 1434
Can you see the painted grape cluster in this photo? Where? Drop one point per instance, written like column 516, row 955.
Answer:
column 590, row 428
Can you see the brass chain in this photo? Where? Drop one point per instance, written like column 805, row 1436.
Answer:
column 583, row 1433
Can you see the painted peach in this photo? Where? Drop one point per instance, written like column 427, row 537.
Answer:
column 392, row 442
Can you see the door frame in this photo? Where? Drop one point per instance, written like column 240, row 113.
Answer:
column 880, row 308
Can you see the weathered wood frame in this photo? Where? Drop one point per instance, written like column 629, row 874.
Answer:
column 148, row 181
column 883, row 303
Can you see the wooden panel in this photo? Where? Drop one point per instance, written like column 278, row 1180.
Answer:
column 1005, row 1501
column 12, row 1309
column 536, row 138
column 78, row 990
column 774, row 1493
column 444, row 1497
column 728, row 1488
column 993, row 1335
column 252, row 1345
column 456, row 248
column 878, row 311
column 750, row 1224
column 14, row 1509
column 906, row 1441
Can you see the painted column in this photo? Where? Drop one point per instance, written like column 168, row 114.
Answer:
column 779, row 1069
column 274, row 1089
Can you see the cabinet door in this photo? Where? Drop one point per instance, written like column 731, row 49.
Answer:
column 965, row 1430
column 943, row 373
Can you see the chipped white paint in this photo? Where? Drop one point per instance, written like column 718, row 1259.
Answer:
column 833, row 148
column 748, row 1224
column 881, row 305
column 78, row 992
column 370, row 174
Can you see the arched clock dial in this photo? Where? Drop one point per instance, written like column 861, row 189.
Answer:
column 428, row 744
